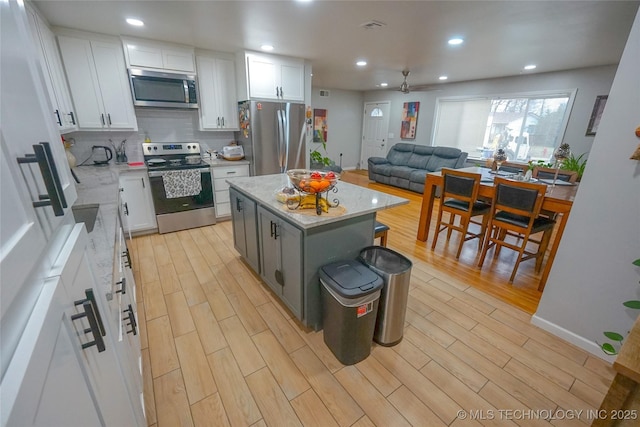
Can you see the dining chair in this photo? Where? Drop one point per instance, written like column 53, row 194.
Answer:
column 515, row 212
column 549, row 173
column 380, row 230
column 460, row 198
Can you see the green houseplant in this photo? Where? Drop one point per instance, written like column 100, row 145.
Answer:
column 576, row 164
column 617, row 338
column 318, row 160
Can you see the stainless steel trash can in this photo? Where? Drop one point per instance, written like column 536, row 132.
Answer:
column 395, row 270
column 350, row 293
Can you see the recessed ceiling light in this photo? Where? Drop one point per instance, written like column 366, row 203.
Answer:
column 384, row 84
column 455, row 41
column 361, row 63
column 530, row 67
column 266, row 47
column 135, row 22
column 443, row 78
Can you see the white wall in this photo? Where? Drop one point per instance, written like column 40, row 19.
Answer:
column 344, row 124
column 590, row 83
column 592, row 273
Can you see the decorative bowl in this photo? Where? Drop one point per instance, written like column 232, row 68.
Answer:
column 312, row 182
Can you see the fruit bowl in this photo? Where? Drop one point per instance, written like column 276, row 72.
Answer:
column 312, row 182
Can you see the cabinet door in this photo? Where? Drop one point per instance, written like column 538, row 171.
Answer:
column 269, row 250
column 175, row 59
column 291, row 266
column 292, row 80
column 136, row 201
column 226, row 93
column 237, row 222
column 209, row 114
column 250, row 211
column 49, row 357
column 114, row 85
column 83, row 82
column 141, row 55
column 264, row 77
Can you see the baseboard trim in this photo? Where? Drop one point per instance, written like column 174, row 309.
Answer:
column 572, row 338
column 350, row 168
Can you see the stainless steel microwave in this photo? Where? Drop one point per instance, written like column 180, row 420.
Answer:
column 163, row 90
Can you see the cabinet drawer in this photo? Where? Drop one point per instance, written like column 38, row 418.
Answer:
column 222, row 196
column 223, row 209
column 230, row 171
column 220, row 184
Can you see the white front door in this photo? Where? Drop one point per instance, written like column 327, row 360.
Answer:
column 375, row 131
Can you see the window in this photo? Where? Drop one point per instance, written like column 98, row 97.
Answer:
column 376, row 112
column 527, row 127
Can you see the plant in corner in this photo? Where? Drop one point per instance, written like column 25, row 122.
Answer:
column 317, row 159
column 576, row 164
column 613, row 349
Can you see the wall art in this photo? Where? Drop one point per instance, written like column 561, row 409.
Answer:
column 409, row 120
column 319, row 125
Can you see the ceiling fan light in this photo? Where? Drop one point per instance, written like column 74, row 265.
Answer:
column 443, row 78
column 455, row 41
column 384, row 84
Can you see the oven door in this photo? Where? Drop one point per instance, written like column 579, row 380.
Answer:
column 164, row 205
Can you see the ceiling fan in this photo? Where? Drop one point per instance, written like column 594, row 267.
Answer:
column 404, row 87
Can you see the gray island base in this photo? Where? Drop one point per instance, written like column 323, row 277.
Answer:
column 286, row 248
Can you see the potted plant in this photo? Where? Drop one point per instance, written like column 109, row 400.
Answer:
column 576, row 164
column 617, row 338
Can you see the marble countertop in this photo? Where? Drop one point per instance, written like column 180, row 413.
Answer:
column 222, row 162
column 355, row 199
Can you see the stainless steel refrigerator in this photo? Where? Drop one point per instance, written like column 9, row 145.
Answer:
column 272, row 136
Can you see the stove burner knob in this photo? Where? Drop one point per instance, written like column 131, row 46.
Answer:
column 155, row 148
column 148, row 148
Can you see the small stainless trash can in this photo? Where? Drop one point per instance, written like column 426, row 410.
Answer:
column 395, row 270
column 350, row 293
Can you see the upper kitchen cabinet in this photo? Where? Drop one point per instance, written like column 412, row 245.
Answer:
column 51, row 64
column 98, row 81
column 217, row 86
column 158, row 56
column 274, row 77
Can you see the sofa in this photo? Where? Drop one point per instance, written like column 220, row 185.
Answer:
column 407, row 165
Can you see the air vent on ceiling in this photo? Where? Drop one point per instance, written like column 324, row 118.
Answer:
column 372, row 25
column 324, row 92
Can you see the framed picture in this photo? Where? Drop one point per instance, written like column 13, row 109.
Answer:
column 409, row 120
column 596, row 114
column 319, row 125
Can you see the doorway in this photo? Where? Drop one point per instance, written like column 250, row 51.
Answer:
column 375, row 131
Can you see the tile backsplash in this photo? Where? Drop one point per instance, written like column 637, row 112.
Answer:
column 160, row 125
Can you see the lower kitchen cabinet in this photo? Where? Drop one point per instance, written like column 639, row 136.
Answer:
column 244, row 214
column 219, row 175
column 281, row 259
column 66, row 369
column 136, row 202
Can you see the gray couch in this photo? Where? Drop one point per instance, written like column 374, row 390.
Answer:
column 407, row 165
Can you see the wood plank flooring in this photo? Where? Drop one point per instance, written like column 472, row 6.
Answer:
column 220, row 350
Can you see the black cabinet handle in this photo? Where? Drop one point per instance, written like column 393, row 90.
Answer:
column 109, row 118
column 272, row 231
column 55, row 195
column 102, row 119
column 73, row 118
column 143, row 186
column 128, row 260
column 218, row 121
column 238, row 204
column 132, row 320
column 96, row 327
column 123, row 286
column 58, row 118
column 223, row 122
column 126, row 209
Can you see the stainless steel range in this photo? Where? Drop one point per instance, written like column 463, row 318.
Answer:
column 180, row 185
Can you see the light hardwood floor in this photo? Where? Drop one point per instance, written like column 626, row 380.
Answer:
column 220, row 350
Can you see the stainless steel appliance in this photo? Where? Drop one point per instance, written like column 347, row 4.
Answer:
column 101, row 155
column 271, row 135
column 189, row 204
column 165, row 90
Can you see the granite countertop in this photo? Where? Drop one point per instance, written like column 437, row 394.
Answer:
column 355, row 199
column 222, row 162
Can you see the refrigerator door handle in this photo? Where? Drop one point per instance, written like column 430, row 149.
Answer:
column 281, row 148
column 285, row 126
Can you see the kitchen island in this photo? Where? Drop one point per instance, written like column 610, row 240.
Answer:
column 287, row 247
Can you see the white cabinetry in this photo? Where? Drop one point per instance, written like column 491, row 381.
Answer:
column 158, row 56
column 217, row 87
column 68, row 341
column 275, row 77
column 98, row 81
column 51, row 64
column 137, row 204
column 221, row 188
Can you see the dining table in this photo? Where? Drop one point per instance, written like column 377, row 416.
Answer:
column 558, row 199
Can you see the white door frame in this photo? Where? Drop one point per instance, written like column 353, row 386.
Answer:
column 363, row 161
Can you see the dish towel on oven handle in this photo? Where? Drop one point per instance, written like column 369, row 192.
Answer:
column 182, row 183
